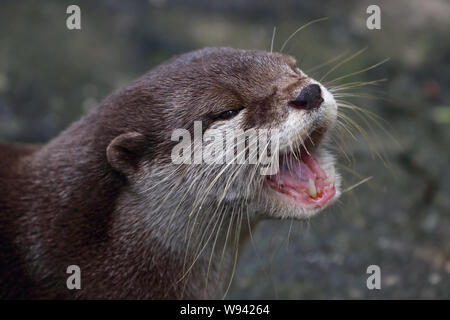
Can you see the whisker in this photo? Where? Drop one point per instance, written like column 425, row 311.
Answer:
column 273, row 38
column 299, row 29
column 324, row 64
column 342, row 63
column 355, row 84
column 357, row 184
column 359, row 71
column 236, row 251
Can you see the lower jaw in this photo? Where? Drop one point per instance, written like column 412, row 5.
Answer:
column 304, row 201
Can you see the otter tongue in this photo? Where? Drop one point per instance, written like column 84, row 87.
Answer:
column 303, row 175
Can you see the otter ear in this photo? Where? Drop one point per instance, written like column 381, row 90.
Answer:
column 125, row 152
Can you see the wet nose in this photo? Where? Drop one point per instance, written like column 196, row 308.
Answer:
column 309, row 98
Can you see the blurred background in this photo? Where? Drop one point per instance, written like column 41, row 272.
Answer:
column 398, row 220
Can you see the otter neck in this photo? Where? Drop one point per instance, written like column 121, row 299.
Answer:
column 102, row 223
column 201, row 243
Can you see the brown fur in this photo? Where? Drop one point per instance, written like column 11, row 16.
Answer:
column 59, row 201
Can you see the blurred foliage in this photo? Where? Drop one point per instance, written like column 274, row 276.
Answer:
column 442, row 114
column 50, row 76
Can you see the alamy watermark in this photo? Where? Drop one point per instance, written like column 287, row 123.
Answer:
column 74, row 280
column 374, row 20
column 73, row 21
column 232, row 146
column 374, row 280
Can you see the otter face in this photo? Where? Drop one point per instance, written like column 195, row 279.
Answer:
column 226, row 89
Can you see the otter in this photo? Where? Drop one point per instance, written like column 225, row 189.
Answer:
column 105, row 195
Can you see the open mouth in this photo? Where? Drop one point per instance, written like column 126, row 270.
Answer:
column 301, row 178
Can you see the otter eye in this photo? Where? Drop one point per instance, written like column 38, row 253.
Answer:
column 226, row 115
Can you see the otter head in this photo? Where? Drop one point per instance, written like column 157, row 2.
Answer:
column 197, row 99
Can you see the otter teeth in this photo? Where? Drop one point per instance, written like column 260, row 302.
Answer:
column 312, row 188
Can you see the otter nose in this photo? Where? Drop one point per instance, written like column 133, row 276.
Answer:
column 309, row 98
